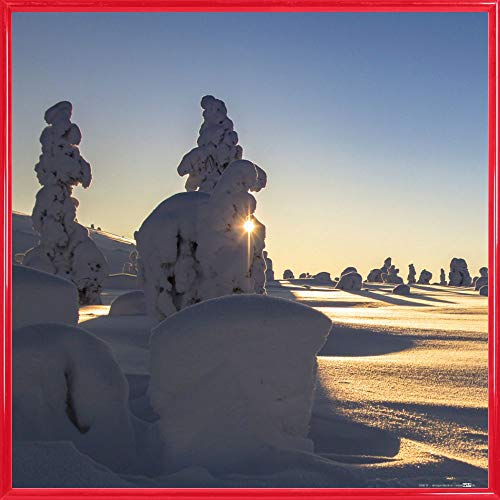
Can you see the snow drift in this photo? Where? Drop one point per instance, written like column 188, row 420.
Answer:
column 128, row 304
column 233, row 379
column 39, row 297
column 67, row 386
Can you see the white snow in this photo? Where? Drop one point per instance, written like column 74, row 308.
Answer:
column 233, row 379
column 67, row 386
column 39, row 297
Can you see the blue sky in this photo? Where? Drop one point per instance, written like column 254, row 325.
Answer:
column 372, row 127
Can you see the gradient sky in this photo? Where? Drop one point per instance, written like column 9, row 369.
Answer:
column 372, row 127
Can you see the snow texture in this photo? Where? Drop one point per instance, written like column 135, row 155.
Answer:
column 129, row 304
column 391, row 276
column 194, row 246
column 411, row 274
column 39, row 297
column 401, row 289
column 425, row 277
column 459, row 273
column 65, row 247
column 269, row 267
column 67, row 386
column 255, row 356
column 288, row 274
column 350, row 282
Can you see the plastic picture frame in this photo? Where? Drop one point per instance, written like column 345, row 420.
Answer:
column 8, row 7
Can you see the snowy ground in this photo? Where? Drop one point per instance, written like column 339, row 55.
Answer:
column 401, row 397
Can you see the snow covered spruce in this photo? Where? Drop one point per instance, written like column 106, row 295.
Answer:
column 217, row 148
column 459, row 273
column 196, row 246
column 233, row 379
column 269, row 267
column 65, row 247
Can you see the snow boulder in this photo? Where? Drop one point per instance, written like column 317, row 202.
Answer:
column 39, row 297
column 121, row 281
column 350, row 282
column 129, row 304
column 459, row 273
column 391, row 276
column 288, row 274
column 67, row 386
column 233, row 379
column 374, row 276
column 401, row 289
column 482, row 280
column 323, row 277
column 425, row 277
column 348, row 270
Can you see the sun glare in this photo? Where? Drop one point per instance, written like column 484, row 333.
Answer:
column 249, row 226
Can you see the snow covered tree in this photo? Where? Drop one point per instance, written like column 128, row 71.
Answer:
column 217, row 148
column 65, row 247
column 196, row 246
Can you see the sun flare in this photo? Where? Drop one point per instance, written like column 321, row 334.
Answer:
column 249, row 225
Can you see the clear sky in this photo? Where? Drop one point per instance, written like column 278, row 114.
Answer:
column 372, row 127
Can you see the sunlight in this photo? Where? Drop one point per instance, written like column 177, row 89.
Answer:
column 249, row 225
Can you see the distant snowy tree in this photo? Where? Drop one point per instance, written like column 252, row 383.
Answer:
column 65, row 248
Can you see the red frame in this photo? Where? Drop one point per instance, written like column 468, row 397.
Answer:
column 7, row 7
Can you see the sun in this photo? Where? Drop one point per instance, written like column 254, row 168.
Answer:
column 249, row 225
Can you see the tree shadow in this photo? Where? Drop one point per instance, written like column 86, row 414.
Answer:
column 347, row 340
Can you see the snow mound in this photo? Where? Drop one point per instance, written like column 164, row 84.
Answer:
column 425, row 277
column 482, row 280
column 391, row 276
column 121, row 281
column 129, row 304
column 350, row 282
column 39, row 297
column 348, row 270
column 288, row 274
column 233, row 378
column 194, row 246
column 401, row 289
column 67, row 386
column 459, row 273
column 323, row 277
column 484, row 291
